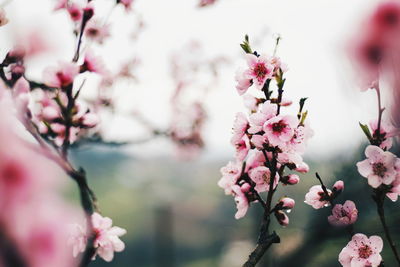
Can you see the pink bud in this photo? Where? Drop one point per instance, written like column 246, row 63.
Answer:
column 245, row 188
column 287, row 203
column 282, row 218
column 302, row 168
column 338, row 186
column 90, row 120
column 293, row 179
column 49, row 113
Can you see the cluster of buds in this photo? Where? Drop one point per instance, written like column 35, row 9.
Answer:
column 266, row 141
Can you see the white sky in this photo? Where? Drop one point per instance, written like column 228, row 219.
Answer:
column 314, row 34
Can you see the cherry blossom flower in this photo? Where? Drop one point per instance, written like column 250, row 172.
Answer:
column 362, row 251
column 107, row 237
column 61, row 4
column 343, row 215
column 240, row 126
column 230, row 174
column 96, row 31
column 280, row 129
column 243, row 81
column 378, row 168
column 260, row 69
column 387, row 131
column 60, row 76
column 204, row 3
column 287, row 203
column 75, row 12
column 3, row 18
column 261, row 176
column 77, row 239
column 257, row 120
column 250, row 102
column 242, row 203
column 126, row 3
column 317, row 198
column 92, row 63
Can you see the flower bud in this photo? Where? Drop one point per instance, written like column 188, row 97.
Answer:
column 282, row 218
column 286, row 203
column 302, row 168
column 338, row 186
column 291, row 179
column 245, row 188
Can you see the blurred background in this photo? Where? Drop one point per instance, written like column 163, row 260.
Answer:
column 173, row 210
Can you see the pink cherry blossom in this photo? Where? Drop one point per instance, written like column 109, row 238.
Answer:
column 97, row 31
column 242, row 203
column 280, row 129
column 126, row 3
column 343, row 215
column 3, row 17
column 378, row 168
column 61, row 4
column 243, row 81
column 93, row 63
column 261, row 176
column 230, row 174
column 75, row 12
column 257, row 120
column 317, row 198
column 387, row 130
column 287, row 203
column 260, row 69
column 77, row 239
column 21, row 93
column 250, row 102
column 204, row 3
column 60, row 76
column 362, row 251
column 338, row 186
column 240, row 126
column 107, row 237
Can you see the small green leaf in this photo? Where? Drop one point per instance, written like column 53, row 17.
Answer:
column 366, row 131
column 246, row 45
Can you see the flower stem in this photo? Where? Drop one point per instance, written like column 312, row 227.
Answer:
column 380, row 199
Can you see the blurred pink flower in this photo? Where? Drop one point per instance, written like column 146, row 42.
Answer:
column 3, row 17
column 75, row 12
column 96, row 31
column 378, row 168
column 242, row 203
column 243, row 81
column 362, row 251
column 317, row 198
column 230, row 174
column 282, row 218
column 60, row 76
column 343, row 215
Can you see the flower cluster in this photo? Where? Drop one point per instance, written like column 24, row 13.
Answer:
column 34, row 218
column 266, row 141
column 106, row 237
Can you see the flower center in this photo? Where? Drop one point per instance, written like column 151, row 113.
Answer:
column 278, row 127
column 364, row 252
column 260, row 71
column 379, row 169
